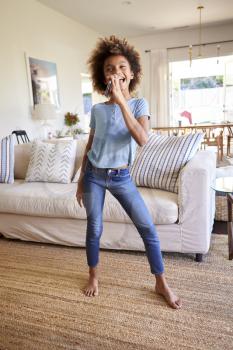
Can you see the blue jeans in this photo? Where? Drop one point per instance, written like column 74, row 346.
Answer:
column 121, row 186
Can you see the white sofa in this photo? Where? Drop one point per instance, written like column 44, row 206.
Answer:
column 49, row 212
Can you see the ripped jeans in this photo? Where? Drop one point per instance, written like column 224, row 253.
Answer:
column 122, row 187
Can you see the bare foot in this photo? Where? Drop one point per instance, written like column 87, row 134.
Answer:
column 92, row 287
column 173, row 300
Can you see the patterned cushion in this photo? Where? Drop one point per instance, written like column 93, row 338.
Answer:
column 51, row 162
column 157, row 164
column 7, row 159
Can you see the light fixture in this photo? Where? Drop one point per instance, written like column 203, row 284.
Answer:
column 45, row 112
column 190, row 53
column 190, row 49
column 200, row 8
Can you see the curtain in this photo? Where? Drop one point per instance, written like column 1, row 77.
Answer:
column 159, row 88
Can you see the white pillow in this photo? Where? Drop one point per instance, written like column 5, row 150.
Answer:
column 80, row 146
column 158, row 163
column 51, row 162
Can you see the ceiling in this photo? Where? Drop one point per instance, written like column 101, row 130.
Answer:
column 142, row 17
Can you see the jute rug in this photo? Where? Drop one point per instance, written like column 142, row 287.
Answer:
column 42, row 306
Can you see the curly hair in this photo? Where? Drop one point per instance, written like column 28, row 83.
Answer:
column 113, row 46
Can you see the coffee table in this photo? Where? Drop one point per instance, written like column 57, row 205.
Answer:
column 224, row 185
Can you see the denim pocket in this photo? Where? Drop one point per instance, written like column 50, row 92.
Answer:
column 123, row 174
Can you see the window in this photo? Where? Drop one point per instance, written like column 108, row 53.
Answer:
column 202, row 93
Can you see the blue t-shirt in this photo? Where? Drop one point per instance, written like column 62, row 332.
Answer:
column 113, row 145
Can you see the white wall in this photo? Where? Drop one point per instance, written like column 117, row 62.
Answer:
column 28, row 26
column 172, row 39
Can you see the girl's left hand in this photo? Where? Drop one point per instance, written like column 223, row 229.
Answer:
column 116, row 89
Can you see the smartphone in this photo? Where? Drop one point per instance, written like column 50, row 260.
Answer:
column 107, row 91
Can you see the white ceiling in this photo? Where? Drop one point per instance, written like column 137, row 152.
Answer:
column 142, row 17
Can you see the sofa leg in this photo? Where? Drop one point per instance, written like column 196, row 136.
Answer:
column 199, row 257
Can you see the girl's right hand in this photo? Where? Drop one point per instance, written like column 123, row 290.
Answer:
column 79, row 193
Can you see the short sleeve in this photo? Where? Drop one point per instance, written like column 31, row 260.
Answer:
column 92, row 120
column 142, row 108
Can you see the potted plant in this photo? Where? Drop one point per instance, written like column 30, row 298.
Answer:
column 71, row 119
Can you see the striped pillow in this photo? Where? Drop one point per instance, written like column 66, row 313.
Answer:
column 157, row 164
column 7, row 159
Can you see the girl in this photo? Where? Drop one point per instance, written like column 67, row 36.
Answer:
column 117, row 126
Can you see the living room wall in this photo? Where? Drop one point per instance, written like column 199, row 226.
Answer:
column 28, row 26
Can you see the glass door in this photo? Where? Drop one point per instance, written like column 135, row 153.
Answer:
column 201, row 93
column 228, row 93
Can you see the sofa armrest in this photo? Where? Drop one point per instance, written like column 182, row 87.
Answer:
column 196, row 198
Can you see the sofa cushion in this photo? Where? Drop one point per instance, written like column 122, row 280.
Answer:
column 51, row 162
column 59, row 200
column 22, row 158
column 7, row 159
column 158, row 163
column 81, row 145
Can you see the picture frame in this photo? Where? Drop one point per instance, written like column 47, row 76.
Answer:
column 42, row 81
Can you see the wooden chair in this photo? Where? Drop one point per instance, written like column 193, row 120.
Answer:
column 211, row 140
column 229, row 138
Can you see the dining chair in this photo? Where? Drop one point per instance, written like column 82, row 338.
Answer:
column 22, row 134
column 211, row 139
column 229, row 138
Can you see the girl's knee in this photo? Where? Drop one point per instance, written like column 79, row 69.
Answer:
column 94, row 231
column 148, row 231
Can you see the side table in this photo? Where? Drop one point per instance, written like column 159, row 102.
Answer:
column 224, row 185
column 230, row 225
